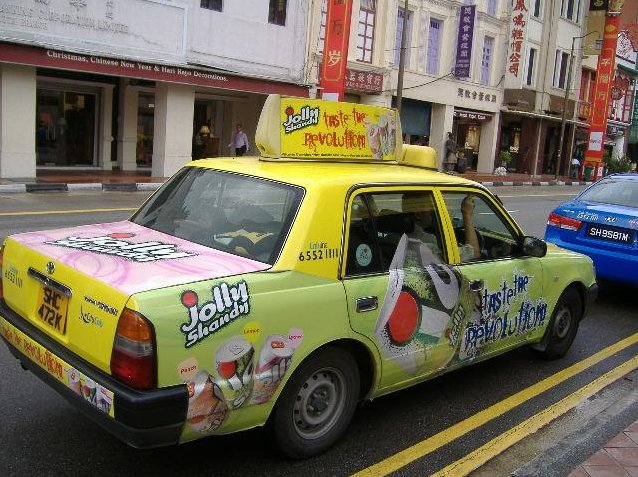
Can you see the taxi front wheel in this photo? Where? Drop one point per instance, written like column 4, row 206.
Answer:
column 317, row 404
column 563, row 326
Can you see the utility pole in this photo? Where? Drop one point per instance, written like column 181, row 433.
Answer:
column 559, row 154
column 402, row 57
column 564, row 115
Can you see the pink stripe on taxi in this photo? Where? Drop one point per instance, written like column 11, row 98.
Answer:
column 133, row 258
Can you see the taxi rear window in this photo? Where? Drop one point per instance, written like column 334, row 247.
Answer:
column 243, row 215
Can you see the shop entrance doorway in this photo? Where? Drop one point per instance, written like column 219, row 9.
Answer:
column 66, row 128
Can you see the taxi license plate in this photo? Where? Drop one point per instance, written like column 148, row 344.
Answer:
column 51, row 309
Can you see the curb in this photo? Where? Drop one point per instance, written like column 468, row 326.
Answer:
column 151, row 186
column 74, row 187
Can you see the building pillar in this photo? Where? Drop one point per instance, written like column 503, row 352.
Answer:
column 18, row 88
column 440, row 125
column 106, row 130
column 127, row 127
column 488, row 140
column 172, row 128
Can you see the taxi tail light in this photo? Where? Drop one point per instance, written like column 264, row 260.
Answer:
column 134, row 357
column 563, row 222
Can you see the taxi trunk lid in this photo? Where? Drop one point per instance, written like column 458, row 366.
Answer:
column 72, row 284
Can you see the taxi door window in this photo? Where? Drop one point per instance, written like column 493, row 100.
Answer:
column 379, row 221
column 482, row 232
column 414, row 214
column 363, row 255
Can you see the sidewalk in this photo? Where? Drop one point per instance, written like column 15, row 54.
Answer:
column 49, row 180
column 618, row 458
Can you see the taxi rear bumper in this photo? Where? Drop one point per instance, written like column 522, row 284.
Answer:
column 142, row 419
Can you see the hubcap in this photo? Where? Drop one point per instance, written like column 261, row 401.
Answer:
column 319, row 403
column 563, row 322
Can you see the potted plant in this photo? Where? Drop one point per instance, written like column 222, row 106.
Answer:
column 505, row 157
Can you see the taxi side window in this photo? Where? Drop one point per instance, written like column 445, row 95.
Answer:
column 493, row 238
column 363, row 255
column 414, row 214
column 377, row 223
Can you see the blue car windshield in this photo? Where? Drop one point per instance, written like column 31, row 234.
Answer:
column 613, row 191
column 243, row 215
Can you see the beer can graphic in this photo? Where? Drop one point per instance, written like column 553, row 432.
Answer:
column 235, row 368
column 206, row 408
column 274, row 361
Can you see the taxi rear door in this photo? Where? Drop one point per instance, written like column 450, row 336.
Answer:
column 402, row 294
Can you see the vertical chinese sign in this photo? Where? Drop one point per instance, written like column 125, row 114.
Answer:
column 602, row 94
column 464, row 42
column 335, row 51
column 516, row 44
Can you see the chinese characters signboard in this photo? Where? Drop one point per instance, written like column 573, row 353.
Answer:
column 602, row 90
column 516, row 44
column 464, row 42
column 335, row 51
column 363, row 81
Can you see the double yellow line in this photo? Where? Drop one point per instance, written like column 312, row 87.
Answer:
column 497, row 445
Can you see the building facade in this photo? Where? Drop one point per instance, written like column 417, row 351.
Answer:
column 452, row 79
column 127, row 84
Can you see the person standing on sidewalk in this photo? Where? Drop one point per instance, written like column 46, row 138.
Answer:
column 240, row 141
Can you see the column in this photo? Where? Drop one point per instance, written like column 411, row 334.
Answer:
column 127, row 127
column 440, row 125
column 106, row 131
column 173, row 128
column 489, row 137
column 17, row 121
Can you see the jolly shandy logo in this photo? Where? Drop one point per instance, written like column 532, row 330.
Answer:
column 307, row 116
column 227, row 303
column 113, row 244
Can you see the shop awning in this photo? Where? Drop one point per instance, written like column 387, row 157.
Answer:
column 627, row 69
column 545, row 116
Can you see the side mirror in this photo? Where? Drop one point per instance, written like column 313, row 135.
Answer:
column 534, row 247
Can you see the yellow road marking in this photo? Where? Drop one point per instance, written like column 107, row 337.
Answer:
column 480, row 456
column 73, row 211
column 426, row 446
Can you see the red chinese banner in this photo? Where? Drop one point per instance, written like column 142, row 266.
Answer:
column 602, row 94
column 335, row 51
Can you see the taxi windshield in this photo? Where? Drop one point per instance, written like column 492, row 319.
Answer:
column 239, row 214
column 614, row 191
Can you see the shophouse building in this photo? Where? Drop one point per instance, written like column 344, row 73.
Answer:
column 543, row 64
column 440, row 94
column 127, row 83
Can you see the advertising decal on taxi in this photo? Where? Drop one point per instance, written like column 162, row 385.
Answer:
column 114, row 244
column 92, row 392
column 334, row 129
column 227, row 303
column 430, row 318
column 240, row 375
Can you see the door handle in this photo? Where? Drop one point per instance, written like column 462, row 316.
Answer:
column 475, row 285
column 367, row 303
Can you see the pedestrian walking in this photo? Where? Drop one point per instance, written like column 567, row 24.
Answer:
column 240, row 141
column 575, row 167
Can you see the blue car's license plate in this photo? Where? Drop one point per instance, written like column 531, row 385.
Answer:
column 611, row 234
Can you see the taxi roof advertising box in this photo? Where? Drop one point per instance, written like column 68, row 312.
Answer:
column 327, row 130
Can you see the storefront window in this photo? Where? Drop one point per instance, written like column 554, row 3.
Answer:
column 65, row 129
column 145, row 120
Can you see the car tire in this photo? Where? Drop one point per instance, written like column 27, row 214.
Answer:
column 563, row 326
column 317, row 404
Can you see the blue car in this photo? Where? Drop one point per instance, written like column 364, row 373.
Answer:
column 602, row 222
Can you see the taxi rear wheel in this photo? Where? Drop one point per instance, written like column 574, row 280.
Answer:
column 563, row 325
column 317, row 404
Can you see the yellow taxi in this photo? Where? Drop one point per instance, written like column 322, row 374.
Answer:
column 337, row 267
